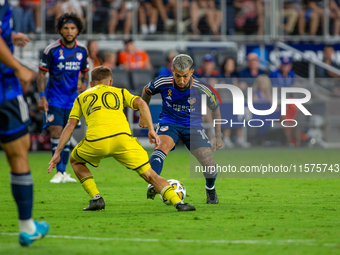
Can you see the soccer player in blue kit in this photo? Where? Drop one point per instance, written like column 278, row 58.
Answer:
column 14, row 136
column 63, row 59
column 181, row 119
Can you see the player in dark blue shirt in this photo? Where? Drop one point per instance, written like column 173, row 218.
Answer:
column 181, row 118
column 14, row 136
column 63, row 59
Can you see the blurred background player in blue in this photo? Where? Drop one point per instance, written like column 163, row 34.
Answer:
column 14, row 136
column 63, row 59
column 166, row 70
column 181, row 118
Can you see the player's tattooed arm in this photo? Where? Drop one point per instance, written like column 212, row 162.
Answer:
column 218, row 143
column 146, row 97
column 205, row 156
column 41, row 83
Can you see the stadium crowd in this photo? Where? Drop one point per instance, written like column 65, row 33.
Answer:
column 198, row 16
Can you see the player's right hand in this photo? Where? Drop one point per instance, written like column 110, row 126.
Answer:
column 43, row 104
column 54, row 161
column 154, row 138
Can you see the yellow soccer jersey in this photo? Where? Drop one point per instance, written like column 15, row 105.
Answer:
column 102, row 107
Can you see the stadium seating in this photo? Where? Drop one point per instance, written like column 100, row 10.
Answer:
column 139, row 78
column 121, row 79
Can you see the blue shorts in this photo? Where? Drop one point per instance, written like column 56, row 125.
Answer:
column 14, row 118
column 193, row 138
column 56, row 116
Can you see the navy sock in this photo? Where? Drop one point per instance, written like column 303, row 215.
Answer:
column 22, row 190
column 156, row 161
column 65, row 155
column 54, row 143
column 210, row 178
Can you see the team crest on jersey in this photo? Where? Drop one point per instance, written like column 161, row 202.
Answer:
column 164, row 128
column 191, row 100
column 50, row 118
column 61, row 54
column 79, row 56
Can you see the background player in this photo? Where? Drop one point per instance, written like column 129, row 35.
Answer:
column 14, row 136
column 109, row 135
column 181, row 119
column 63, row 59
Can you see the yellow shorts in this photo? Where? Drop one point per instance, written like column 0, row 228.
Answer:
column 123, row 148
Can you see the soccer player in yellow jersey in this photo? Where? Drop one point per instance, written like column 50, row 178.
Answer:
column 109, row 135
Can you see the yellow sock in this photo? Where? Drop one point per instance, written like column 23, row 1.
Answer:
column 169, row 193
column 89, row 185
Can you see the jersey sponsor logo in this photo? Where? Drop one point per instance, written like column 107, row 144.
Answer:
column 79, row 56
column 60, row 66
column 164, row 128
column 191, row 100
column 72, row 65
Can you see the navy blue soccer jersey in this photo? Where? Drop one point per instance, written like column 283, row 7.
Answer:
column 181, row 107
column 63, row 65
column 10, row 86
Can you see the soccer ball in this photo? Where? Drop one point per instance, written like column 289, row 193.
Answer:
column 179, row 189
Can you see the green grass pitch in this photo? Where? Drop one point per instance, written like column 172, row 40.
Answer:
column 254, row 216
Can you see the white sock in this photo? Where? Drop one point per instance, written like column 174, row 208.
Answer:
column 27, row 226
column 152, row 28
column 96, row 197
column 144, row 29
column 210, row 188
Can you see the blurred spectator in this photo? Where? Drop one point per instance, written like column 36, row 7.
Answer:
column 291, row 14
column 229, row 70
column 69, row 6
column 159, row 5
column 328, row 57
column 284, row 76
column 208, row 68
column 53, row 9
column 131, row 58
column 27, row 16
column 247, row 76
column 313, row 11
column 262, row 89
column 166, row 70
column 146, row 9
column 250, row 16
column 206, row 8
column 92, row 47
column 101, row 15
column 121, row 10
column 110, row 59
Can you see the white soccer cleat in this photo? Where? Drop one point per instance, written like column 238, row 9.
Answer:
column 243, row 143
column 57, row 178
column 68, row 178
column 228, row 143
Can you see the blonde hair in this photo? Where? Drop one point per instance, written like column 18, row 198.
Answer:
column 260, row 80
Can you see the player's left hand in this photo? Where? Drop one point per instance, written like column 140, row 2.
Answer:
column 218, row 143
column 20, row 39
column 54, row 161
column 154, row 138
column 81, row 87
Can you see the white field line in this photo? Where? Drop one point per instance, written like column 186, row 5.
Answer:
column 308, row 242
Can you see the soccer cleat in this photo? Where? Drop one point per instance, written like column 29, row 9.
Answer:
column 42, row 228
column 211, row 196
column 95, row 205
column 182, row 207
column 57, row 178
column 151, row 192
column 68, row 178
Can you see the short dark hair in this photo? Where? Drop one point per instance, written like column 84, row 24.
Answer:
column 101, row 73
column 72, row 16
